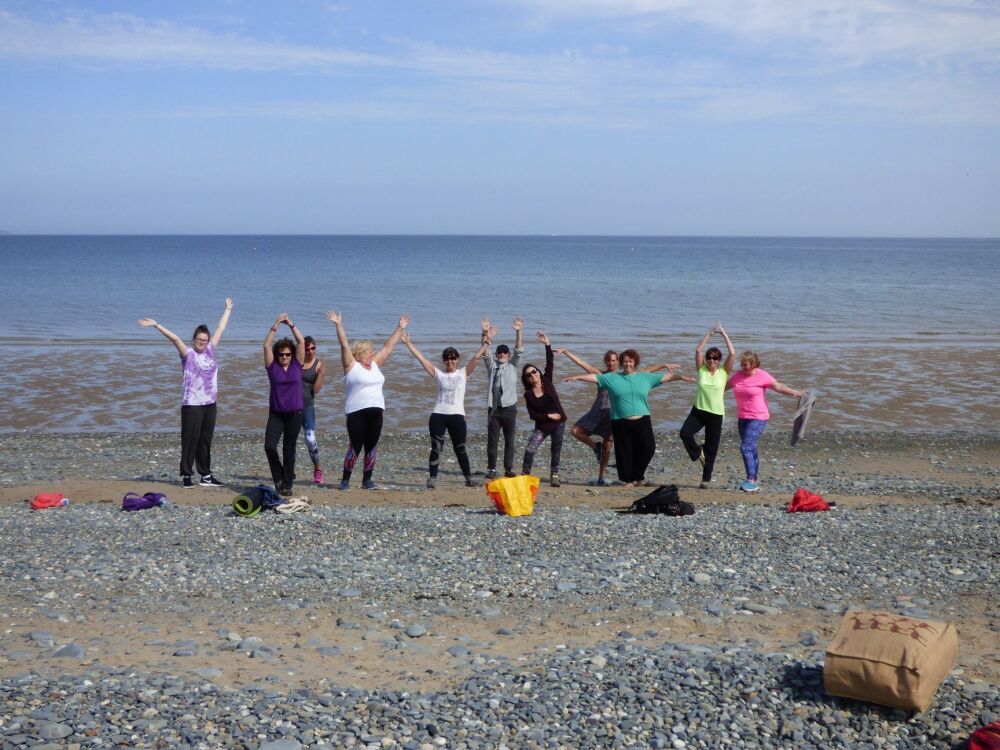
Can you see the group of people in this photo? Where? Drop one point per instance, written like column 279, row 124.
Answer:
column 619, row 419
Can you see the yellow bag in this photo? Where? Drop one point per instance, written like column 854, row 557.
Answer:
column 514, row 496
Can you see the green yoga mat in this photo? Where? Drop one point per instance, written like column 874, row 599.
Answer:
column 245, row 506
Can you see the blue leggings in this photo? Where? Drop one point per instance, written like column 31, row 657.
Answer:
column 750, row 432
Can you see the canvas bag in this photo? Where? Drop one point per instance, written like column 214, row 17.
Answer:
column 514, row 496
column 889, row 659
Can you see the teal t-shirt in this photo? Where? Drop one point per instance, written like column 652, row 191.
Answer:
column 628, row 392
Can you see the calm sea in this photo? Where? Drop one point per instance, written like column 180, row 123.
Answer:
column 894, row 333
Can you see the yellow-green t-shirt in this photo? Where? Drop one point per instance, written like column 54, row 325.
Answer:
column 711, row 389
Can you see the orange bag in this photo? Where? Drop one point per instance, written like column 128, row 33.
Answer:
column 804, row 501
column 45, row 500
column 514, row 496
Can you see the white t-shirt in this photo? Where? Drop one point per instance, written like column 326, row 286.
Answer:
column 363, row 388
column 451, row 392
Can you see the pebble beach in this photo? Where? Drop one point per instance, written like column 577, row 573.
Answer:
column 421, row 619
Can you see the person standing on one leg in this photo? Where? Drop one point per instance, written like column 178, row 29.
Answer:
column 749, row 386
column 597, row 421
column 201, row 387
column 543, row 407
column 501, row 398
column 364, row 403
column 312, row 382
column 709, row 408
column 283, row 362
column 448, row 416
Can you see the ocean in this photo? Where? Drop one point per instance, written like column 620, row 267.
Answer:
column 894, row 334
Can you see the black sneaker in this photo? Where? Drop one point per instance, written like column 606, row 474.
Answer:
column 186, row 482
column 286, row 491
column 491, row 474
column 510, row 474
column 209, row 481
column 470, row 482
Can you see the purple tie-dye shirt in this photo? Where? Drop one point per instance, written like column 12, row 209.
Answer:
column 201, row 377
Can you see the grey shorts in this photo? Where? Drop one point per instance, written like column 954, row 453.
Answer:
column 597, row 421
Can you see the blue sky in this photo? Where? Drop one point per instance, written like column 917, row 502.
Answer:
column 673, row 117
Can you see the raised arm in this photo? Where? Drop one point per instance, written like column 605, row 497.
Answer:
column 300, row 341
column 269, row 339
column 579, row 362
column 346, row 358
column 785, row 390
column 470, row 367
column 699, row 351
column 223, row 322
column 518, row 333
column 731, row 355
column 390, row 343
column 549, row 359
column 589, row 377
column 173, row 337
column 405, row 337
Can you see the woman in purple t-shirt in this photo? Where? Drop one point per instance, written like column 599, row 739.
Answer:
column 201, row 379
column 283, row 362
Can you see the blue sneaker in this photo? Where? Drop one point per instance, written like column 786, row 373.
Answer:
column 368, row 484
column 748, row 486
column 345, row 484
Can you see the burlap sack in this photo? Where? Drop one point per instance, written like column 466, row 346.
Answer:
column 889, row 659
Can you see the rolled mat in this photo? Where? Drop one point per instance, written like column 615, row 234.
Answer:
column 247, row 506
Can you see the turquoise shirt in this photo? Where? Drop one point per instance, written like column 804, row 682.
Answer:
column 628, row 392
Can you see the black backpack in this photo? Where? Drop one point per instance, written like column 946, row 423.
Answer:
column 664, row 499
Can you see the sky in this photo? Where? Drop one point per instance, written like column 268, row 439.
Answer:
column 620, row 117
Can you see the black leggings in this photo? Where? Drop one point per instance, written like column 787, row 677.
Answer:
column 197, row 428
column 454, row 425
column 712, row 423
column 286, row 425
column 634, row 447
column 364, row 428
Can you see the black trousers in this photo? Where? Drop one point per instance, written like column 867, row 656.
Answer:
column 505, row 419
column 634, row 447
column 286, row 425
column 454, row 425
column 712, row 423
column 197, row 428
column 364, row 428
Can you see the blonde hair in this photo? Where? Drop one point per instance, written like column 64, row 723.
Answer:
column 360, row 346
column 750, row 356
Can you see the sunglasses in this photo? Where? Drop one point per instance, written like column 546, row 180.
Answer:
column 450, row 359
column 310, row 348
column 284, row 354
column 532, row 372
column 714, row 359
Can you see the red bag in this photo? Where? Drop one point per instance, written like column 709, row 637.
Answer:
column 986, row 738
column 804, row 501
column 45, row 500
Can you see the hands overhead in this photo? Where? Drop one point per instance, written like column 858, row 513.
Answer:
column 404, row 320
column 540, row 335
column 518, row 323
column 334, row 317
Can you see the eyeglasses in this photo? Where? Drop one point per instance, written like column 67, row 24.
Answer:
column 310, row 348
column 284, row 354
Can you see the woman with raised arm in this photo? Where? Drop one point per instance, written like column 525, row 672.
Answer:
column 448, row 415
column 198, row 404
column 364, row 403
column 709, row 409
column 631, row 423
column 543, row 407
column 312, row 382
column 597, row 421
column 748, row 386
column 283, row 362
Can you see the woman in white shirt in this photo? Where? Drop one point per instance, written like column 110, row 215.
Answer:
column 364, row 403
column 449, row 409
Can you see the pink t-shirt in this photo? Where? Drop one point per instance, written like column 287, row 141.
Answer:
column 749, row 391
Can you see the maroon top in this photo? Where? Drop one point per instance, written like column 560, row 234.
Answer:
column 539, row 407
column 286, row 386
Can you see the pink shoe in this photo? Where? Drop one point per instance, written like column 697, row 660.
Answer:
column 318, row 476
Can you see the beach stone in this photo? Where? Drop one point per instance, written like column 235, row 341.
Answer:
column 701, row 578
column 415, row 630
column 69, row 651
column 48, row 730
column 284, row 744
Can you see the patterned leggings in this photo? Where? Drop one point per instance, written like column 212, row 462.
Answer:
column 535, row 442
column 309, row 433
column 364, row 427
column 750, row 432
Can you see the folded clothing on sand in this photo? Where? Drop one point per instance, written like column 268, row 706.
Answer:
column 45, row 500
